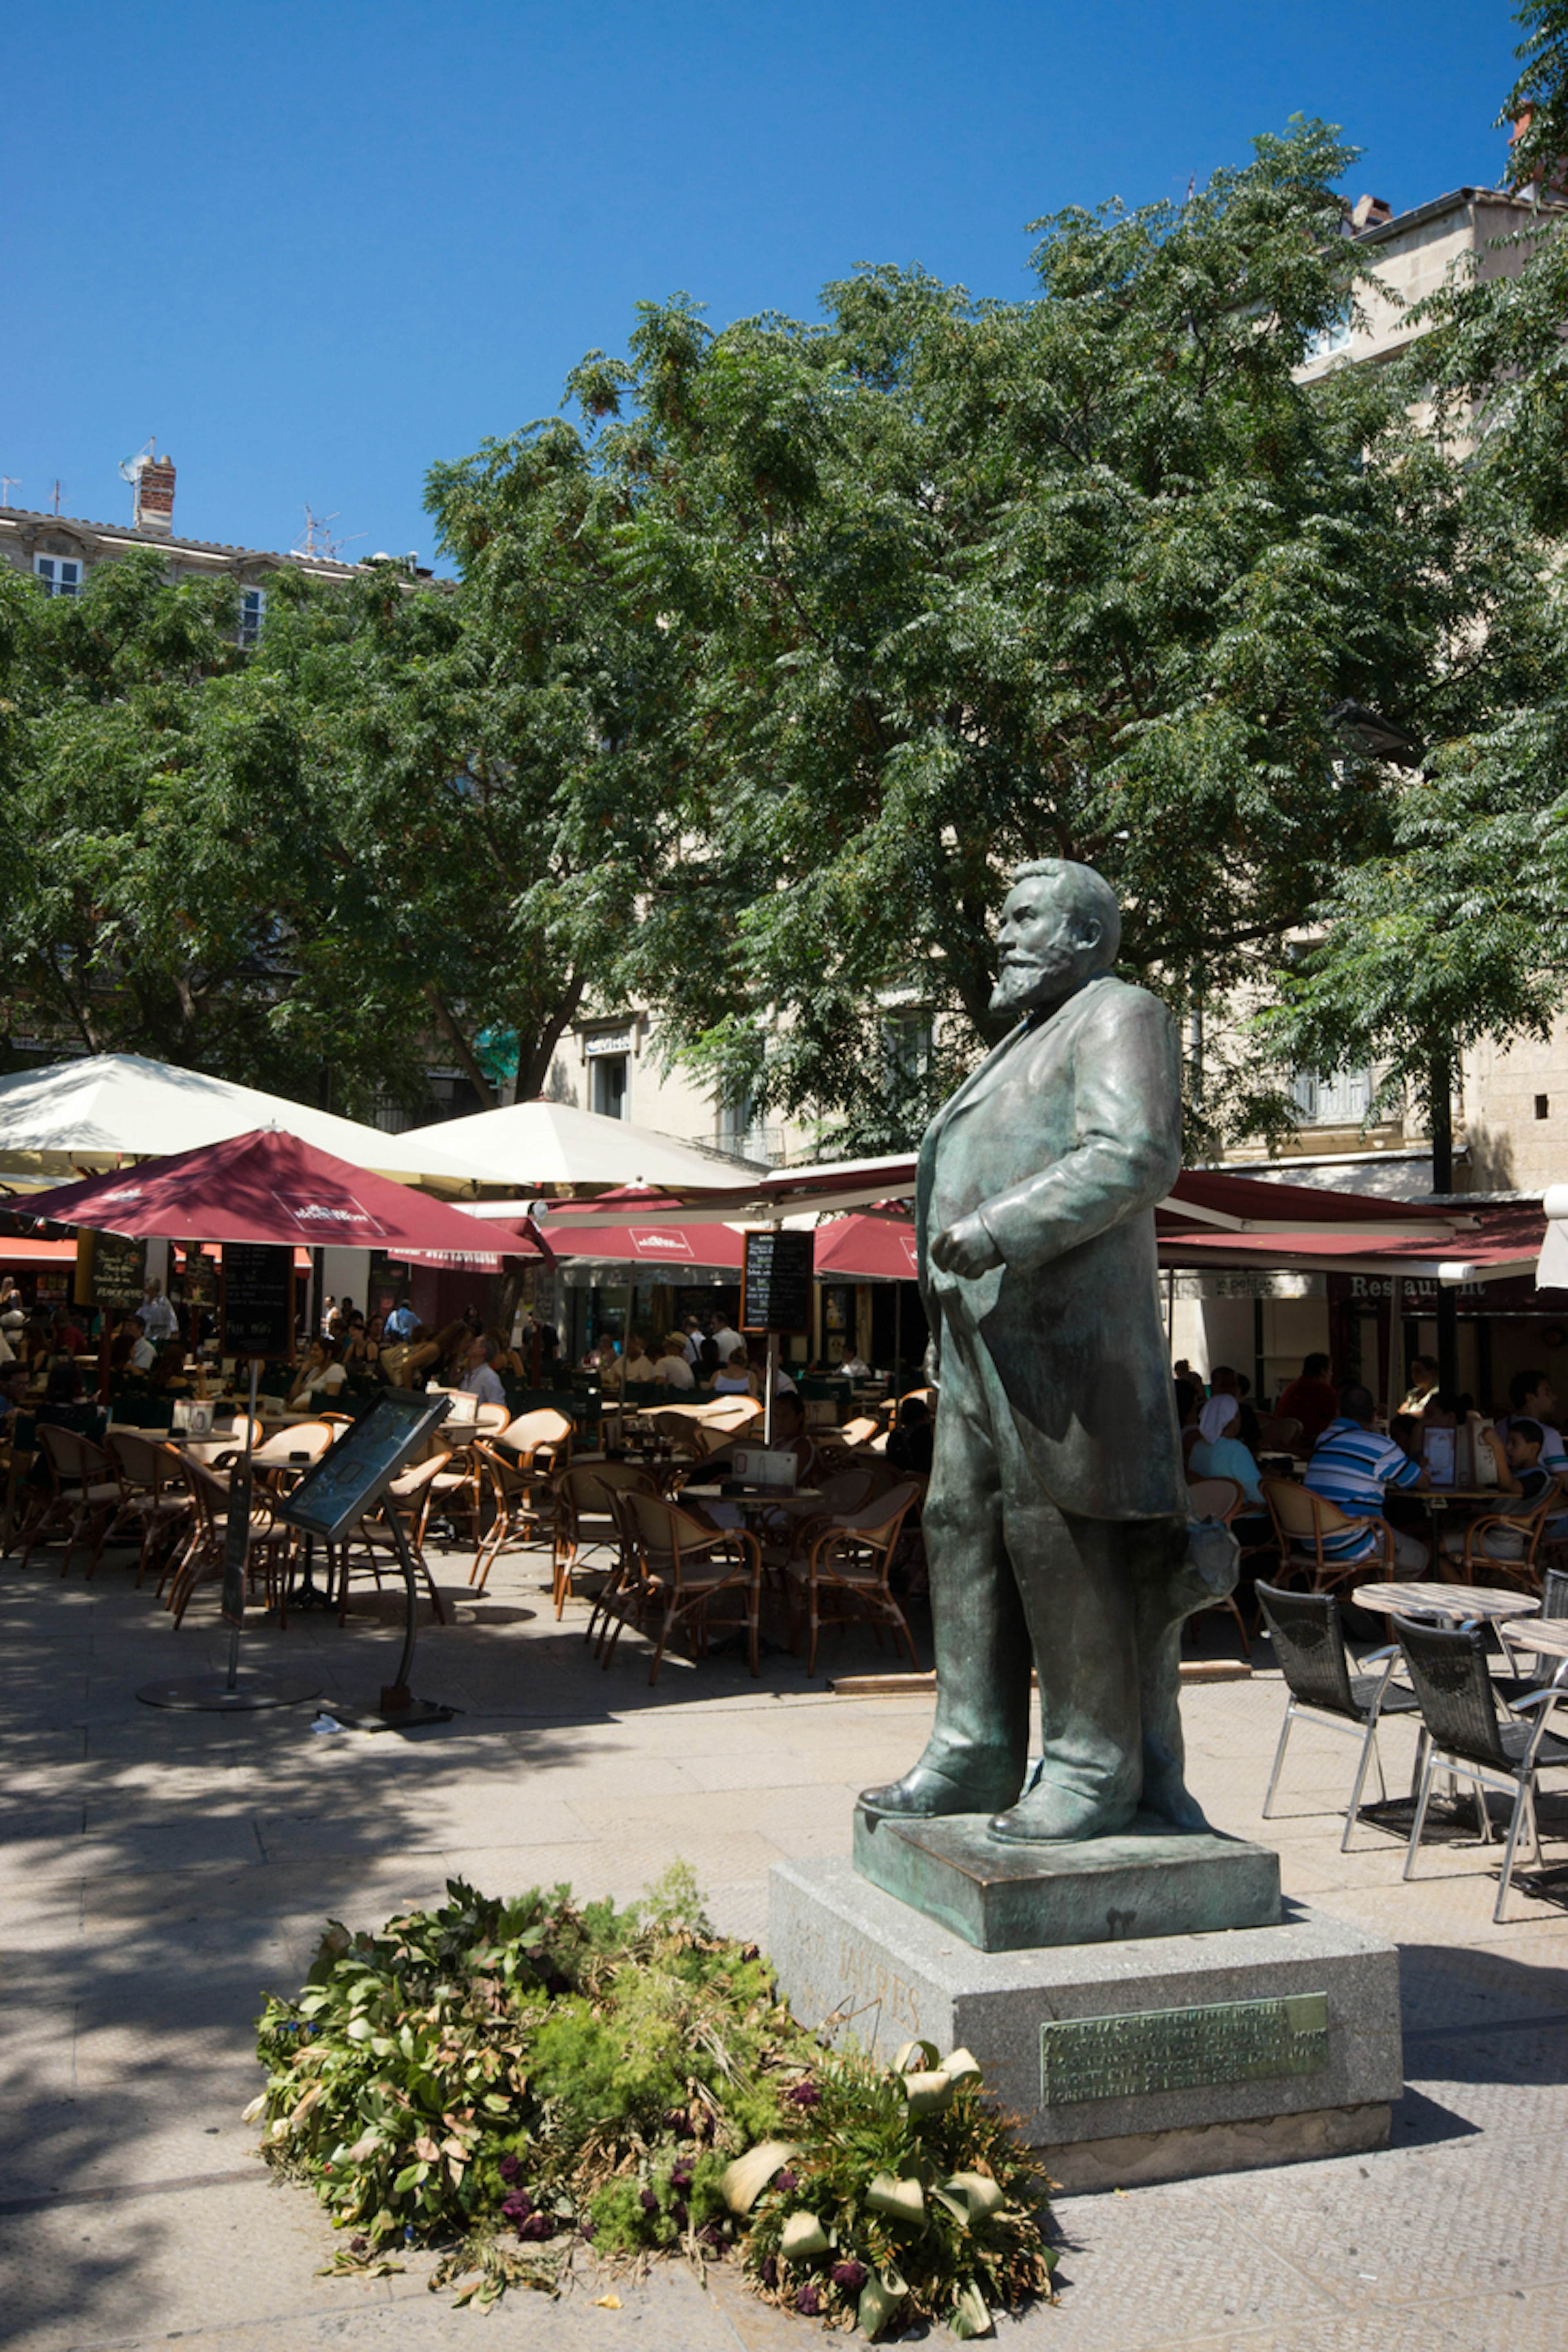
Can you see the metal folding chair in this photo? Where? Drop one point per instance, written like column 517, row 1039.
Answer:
column 1468, row 1736
column 1310, row 1644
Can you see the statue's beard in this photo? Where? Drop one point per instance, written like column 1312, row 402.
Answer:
column 1021, row 985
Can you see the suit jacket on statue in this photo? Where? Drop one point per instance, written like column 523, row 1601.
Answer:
column 1063, row 1140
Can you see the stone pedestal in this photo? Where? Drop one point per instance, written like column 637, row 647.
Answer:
column 1152, row 1880
column 1149, row 2058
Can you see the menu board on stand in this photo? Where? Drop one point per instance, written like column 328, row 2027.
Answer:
column 258, row 1300
column 775, row 1294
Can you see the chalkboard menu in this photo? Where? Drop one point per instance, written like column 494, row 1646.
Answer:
column 118, row 1273
column 257, row 1299
column 775, row 1286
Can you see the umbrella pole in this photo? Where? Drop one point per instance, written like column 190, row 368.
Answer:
column 898, row 1338
column 244, row 1483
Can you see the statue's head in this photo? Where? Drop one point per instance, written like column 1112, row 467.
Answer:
column 1060, row 925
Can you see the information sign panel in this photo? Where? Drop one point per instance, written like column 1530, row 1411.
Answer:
column 775, row 1283
column 350, row 1479
column 257, row 1299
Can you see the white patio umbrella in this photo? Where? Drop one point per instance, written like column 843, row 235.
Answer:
column 91, row 1114
column 540, row 1147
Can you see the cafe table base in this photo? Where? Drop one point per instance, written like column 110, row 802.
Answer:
column 241, row 1694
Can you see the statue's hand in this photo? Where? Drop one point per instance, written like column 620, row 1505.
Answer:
column 965, row 1249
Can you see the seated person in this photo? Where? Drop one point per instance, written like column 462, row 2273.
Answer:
column 1310, row 1399
column 70, row 1339
column 637, row 1364
column 735, row 1377
column 360, row 1356
column 480, row 1380
column 1522, row 1476
column 913, row 1440
column 13, row 1392
column 1225, row 1381
column 1189, row 1402
column 1405, row 1430
column 169, row 1370
column 321, row 1377
column 65, row 1407
column 1351, row 1467
column 1219, row 1452
column 1423, row 1380
column 790, row 1436
column 853, row 1364
column 672, row 1369
column 1532, row 1394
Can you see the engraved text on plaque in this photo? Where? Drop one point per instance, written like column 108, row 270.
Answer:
column 1181, row 2049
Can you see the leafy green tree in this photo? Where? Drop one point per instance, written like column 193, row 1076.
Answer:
column 1451, row 928
column 938, row 584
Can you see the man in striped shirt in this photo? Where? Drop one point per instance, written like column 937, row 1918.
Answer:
column 1351, row 1467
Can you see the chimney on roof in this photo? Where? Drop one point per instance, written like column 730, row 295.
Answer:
column 1369, row 212
column 1545, row 179
column 155, row 497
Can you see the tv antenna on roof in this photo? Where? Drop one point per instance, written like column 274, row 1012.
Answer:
column 8, row 482
column 131, row 469
column 318, row 537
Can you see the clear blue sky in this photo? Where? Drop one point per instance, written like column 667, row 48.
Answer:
column 316, row 244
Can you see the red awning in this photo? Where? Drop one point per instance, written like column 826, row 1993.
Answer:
column 1492, row 1241
column 15, row 1253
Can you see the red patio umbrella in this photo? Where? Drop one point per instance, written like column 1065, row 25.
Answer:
column 867, row 1249
column 267, row 1186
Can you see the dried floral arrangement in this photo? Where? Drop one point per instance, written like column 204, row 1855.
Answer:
column 514, row 2083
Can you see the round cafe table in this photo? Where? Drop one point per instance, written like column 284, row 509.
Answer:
column 1458, row 1604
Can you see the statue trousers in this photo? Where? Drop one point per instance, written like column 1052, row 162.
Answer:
column 1015, row 1581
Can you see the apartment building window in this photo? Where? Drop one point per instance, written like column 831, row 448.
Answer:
column 1331, row 338
column 61, row 575
column 906, row 1046
column 252, row 613
column 1340, row 1100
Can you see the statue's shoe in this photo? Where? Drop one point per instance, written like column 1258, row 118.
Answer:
column 1051, row 1815
column 927, row 1790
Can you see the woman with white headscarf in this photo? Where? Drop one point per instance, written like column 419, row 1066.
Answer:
column 1220, row 1454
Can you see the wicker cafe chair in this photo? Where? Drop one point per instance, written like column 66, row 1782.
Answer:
column 156, row 1498
column 683, row 1567
column 1308, row 1641
column 1221, row 1498
column 583, row 1521
column 520, row 1461
column 1499, row 1567
column 624, row 1598
column 1302, row 1520
column 370, row 1544
column 844, row 1577
column 1465, row 1737
column 86, row 1492
column 268, row 1554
